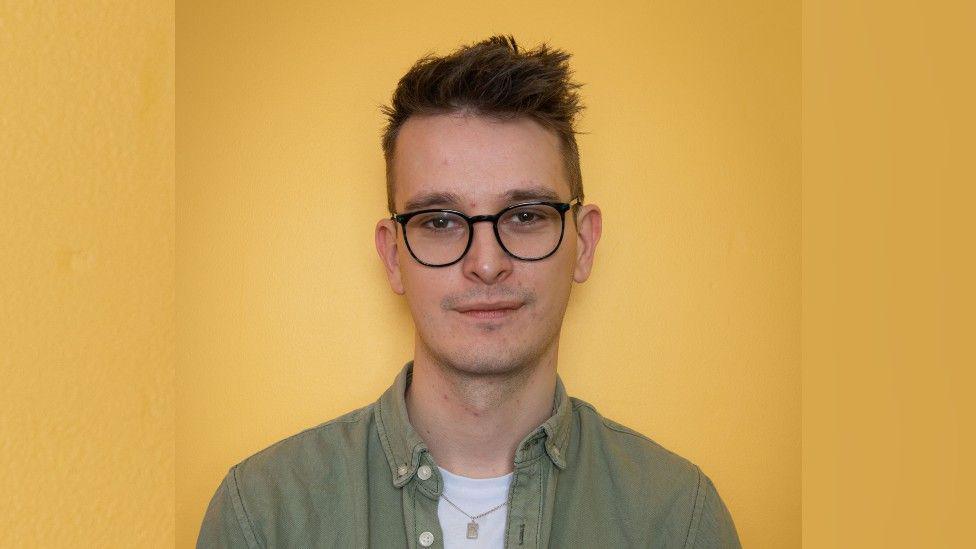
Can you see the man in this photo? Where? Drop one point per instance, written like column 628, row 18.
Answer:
column 476, row 443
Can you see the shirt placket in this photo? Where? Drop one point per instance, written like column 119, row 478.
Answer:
column 530, row 498
column 420, row 500
column 530, row 510
column 528, row 517
column 525, row 502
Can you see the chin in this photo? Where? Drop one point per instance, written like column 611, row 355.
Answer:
column 486, row 361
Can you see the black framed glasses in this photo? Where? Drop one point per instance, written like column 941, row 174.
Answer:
column 529, row 231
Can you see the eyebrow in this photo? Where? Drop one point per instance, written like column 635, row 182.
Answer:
column 440, row 198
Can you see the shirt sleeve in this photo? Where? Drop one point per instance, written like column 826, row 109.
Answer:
column 226, row 524
column 712, row 525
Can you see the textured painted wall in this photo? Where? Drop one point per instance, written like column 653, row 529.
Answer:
column 888, row 272
column 86, row 263
column 689, row 328
column 87, row 274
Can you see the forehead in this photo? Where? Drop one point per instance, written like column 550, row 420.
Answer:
column 472, row 161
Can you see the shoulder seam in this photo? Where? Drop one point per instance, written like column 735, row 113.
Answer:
column 243, row 519
column 617, row 427
column 628, row 431
column 696, row 511
column 609, row 424
column 354, row 416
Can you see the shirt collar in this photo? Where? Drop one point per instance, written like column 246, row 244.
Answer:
column 404, row 447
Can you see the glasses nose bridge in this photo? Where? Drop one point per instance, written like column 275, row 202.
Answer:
column 491, row 219
column 479, row 218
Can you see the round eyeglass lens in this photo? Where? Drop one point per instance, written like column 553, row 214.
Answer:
column 437, row 238
column 532, row 231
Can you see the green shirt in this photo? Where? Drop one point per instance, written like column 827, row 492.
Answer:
column 580, row 481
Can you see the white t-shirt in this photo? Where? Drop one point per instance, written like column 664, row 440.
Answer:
column 475, row 496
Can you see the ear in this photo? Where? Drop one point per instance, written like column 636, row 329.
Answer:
column 386, row 247
column 589, row 227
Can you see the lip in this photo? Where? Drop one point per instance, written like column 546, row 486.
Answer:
column 490, row 311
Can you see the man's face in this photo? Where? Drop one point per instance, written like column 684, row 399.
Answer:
column 489, row 313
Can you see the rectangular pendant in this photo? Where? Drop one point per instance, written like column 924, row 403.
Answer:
column 472, row 530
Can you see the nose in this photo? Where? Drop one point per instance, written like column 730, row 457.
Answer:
column 486, row 261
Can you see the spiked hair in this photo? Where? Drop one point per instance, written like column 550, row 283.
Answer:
column 493, row 78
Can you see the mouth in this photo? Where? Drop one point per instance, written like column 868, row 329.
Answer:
column 489, row 311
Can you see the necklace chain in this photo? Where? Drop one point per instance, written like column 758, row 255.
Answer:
column 497, row 507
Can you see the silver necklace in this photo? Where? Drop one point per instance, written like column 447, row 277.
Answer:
column 473, row 525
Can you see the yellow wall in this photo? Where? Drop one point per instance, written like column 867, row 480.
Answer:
column 86, row 274
column 273, row 257
column 888, row 273
column 87, row 345
column 689, row 329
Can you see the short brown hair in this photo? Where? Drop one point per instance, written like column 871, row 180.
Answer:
column 493, row 78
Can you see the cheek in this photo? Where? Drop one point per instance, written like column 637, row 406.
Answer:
column 568, row 252
column 552, row 289
column 424, row 289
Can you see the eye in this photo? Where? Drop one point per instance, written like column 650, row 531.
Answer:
column 527, row 216
column 438, row 222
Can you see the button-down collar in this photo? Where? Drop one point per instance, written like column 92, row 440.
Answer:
column 404, row 448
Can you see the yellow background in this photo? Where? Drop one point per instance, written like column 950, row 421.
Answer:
column 888, row 242
column 280, row 305
column 689, row 329
column 87, row 338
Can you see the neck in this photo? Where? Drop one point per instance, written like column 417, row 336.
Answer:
column 473, row 423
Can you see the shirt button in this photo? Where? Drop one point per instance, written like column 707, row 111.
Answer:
column 423, row 472
column 426, row 539
column 402, row 470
